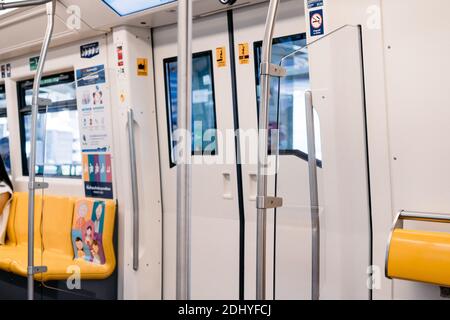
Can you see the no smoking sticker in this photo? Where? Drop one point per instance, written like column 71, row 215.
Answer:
column 316, row 22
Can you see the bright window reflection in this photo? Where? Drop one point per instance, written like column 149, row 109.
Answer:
column 203, row 104
column 127, row 7
column 292, row 113
column 58, row 150
column 4, row 132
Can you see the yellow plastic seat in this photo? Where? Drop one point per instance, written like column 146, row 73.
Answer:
column 53, row 240
column 419, row 256
column 16, row 248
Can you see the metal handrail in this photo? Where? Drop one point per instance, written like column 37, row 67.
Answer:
column 51, row 6
column 424, row 216
column 36, row 101
column 22, row 4
column 261, row 223
column 183, row 258
column 134, row 189
column 314, row 196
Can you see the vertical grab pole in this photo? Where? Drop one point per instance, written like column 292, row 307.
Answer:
column 134, row 190
column 183, row 158
column 36, row 102
column 314, row 196
column 261, row 223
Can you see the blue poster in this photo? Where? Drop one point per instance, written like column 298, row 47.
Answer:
column 316, row 22
column 315, row 4
column 91, row 76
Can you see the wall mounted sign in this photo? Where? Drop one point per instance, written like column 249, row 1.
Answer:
column 315, row 3
column 97, row 176
column 90, row 50
column 142, row 67
column 5, row 71
column 316, row 22
column 95, row 131
column 221, row 57
column 92, row 98
column 34, row 61
column 244, row 54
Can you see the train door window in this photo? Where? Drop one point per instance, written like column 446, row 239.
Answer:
column 58, row 151
column 4, row 132
column 204, row 123
column 291, row 113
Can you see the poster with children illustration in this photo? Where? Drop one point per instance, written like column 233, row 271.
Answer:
column 87, row 232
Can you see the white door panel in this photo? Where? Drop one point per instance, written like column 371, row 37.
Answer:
column 343, row 184
column 215, row 213
column 291, row 268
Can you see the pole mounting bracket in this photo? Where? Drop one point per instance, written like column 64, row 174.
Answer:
column 268, row 202
column 37, row 270
column 41, row 102
column 38, row 185
column 273, row 70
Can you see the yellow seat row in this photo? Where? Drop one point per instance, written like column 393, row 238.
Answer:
column 53, row 239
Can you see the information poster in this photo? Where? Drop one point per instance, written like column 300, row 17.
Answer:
column 93, row 104
column 97, row 176
column 95, row 131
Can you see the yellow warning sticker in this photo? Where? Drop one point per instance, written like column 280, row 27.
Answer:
column 221, row 57
column 244, row 54
column 142, row 67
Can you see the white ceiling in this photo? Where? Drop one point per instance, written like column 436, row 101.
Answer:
column 28, row 25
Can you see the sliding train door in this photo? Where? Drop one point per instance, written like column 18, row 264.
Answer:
column 341, row 157
column 288, row 270
column 215, row 212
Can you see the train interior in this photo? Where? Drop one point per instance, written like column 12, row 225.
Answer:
column 352, row 202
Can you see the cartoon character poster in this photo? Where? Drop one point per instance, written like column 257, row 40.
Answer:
column 87, row 232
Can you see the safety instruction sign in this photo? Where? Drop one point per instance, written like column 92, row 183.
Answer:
column 97, row 176
column 93, row 105
column 95, row 131
column 221, row 57
column 142, row 67
column 316, row 22
column 244, row 54
column 315, row 4
column 90, row 50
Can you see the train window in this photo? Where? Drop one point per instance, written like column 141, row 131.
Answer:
column 291, row 113
column 4, row 132
column 58, row 151
column 204, row 124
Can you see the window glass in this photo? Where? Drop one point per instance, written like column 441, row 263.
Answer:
column 203, row 104
column 4, row 132
column 58, row 152
column 291, row 112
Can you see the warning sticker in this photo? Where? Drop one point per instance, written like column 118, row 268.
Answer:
column 316, row 22
column 142, row 67
column 244, row 54
column 221, row 57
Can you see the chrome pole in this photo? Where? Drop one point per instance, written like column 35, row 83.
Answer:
column 21, row 4
column 36, row 102
column 184, row 195
column 261, row 223
column 314, row 196
column 134, row 189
